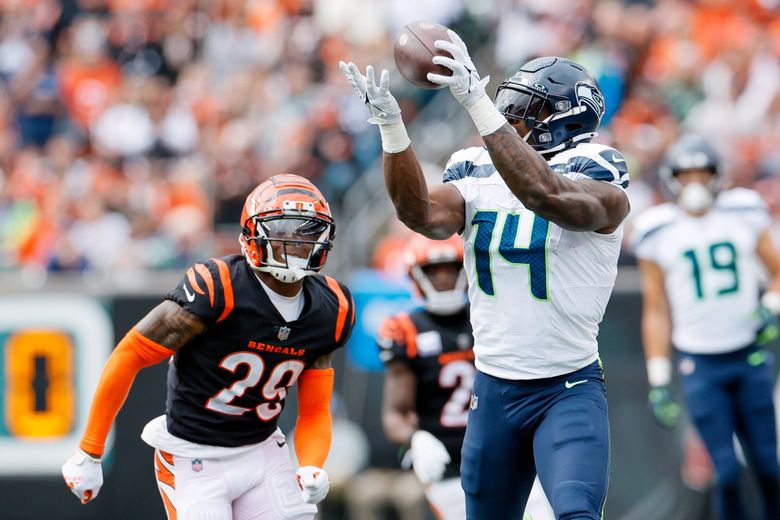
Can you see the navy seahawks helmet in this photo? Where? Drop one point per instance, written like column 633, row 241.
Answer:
column 557, row 99
column 689, row 152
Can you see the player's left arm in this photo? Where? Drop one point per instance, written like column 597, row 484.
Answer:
column 584, row 205
column 313, row 428
column 770, row 257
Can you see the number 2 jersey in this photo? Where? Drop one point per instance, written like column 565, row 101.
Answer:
column 438, row 350
column 710, row 266
column 538, row 292
column 227, row 387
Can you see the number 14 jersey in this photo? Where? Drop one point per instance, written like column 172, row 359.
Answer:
column 538, row 292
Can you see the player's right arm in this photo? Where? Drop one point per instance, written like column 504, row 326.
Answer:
column 656, row 339
column 155, row 338
column 438, row 213
column 398, row 346
column 399, row 419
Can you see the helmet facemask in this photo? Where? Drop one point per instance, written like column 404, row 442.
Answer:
column 555, row 123
column 442, row 302
column 290, row 243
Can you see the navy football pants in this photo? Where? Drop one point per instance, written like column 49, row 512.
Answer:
column 727, row 394
column 557, row 426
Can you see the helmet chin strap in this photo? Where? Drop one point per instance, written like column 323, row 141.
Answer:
column 442, row 303
column 565, row 144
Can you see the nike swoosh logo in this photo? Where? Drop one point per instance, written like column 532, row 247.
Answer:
column 572, row 385
column 190, row 296
column 615, row 158
column 280, row 444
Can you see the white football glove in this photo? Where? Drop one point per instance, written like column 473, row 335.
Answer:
column 84, row 476
column 380, row 102
column 465, row 83
column 313, row 482
column 429, row 457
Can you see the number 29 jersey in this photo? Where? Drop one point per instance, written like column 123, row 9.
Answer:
column 538, row 292
column 228, row 386
column 710, row 266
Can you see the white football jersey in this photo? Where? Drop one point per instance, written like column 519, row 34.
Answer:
column 711, row 270
column 537, row 291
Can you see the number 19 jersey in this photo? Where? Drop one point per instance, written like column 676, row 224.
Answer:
column 710, row 267
column 538, row 292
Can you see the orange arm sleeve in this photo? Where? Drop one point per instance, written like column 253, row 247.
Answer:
column 313, row 428
column 133, row 353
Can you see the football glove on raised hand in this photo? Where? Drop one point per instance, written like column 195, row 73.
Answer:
column 429, row 457
column 381, row 104
column 465, row 84
column 665, row 410
column 313, row 483
column 84, row 476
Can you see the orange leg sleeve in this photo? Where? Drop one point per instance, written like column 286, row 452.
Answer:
column 313, row 428
column 133, row 353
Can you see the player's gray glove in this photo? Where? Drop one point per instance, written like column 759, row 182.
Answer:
column 429, row 457
column 465, row 84
column 84, row 476
column 381, row 104
column 665, row 410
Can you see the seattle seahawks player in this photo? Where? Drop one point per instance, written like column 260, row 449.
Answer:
column 700, row 283
column 237, row 331
column 429, row 373
column 541, row 211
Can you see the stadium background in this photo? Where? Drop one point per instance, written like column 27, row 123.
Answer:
column 132, row 130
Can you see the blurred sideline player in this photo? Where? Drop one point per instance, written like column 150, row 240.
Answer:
column 540, row 209
column 429, row 376
column 240, row 329
column 699, row 258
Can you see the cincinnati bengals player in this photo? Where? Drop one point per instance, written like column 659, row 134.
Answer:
column 239, row 330
column 429, row 372
column 429, row 375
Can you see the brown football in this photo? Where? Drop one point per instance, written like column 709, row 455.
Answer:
column 413, row 51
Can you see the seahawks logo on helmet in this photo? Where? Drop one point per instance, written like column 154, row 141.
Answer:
column 589, row 96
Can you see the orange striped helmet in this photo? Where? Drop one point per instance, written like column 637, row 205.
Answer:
column 287, row 228
column 423, row 252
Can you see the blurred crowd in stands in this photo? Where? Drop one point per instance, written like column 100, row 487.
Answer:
column 132, row 130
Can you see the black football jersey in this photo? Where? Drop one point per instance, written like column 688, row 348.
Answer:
column 228, row 386
column 438, row 349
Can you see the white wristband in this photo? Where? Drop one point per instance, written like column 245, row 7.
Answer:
column 659, row 371
column 771, row 300
column 486, row 116
column 394, row 137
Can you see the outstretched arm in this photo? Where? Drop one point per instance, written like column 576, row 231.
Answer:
column 584, row 205
column 577, row 205
column 437, row 214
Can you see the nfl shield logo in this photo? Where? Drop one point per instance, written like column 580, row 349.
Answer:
column 197, row 465
column 284, row 333
column 474, row 402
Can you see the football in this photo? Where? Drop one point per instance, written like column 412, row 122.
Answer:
column 413, row 50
